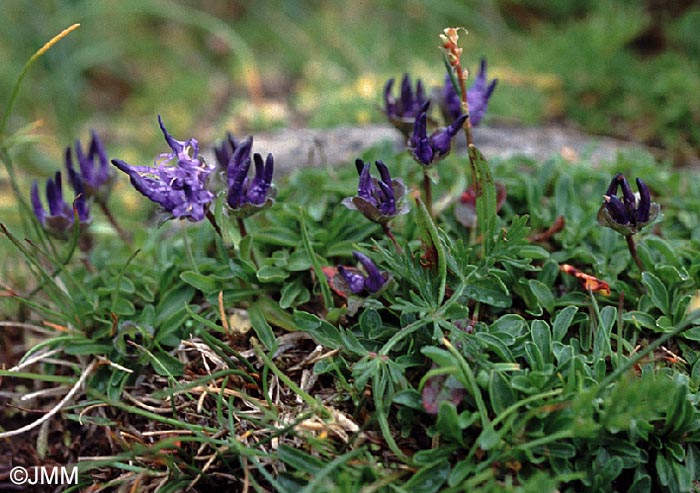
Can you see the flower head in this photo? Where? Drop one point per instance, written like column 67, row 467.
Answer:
column 428, row 150
column 402, row 112
column 95, row 174
column 372, row 281
column 181, row 189
column 629, row 214
column 246, row 196
column 478, row 96
column 379, row 200
column 60, row 217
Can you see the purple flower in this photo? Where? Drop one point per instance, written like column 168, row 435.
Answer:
column 95, row 174
column 429, row 150
column 478, row 95
column 246, row 196
column 379, row 200
column 629, row 214
column 225, row 150
column 373, row 281
column 402, row 112
column 60, row 217
column 181, row 189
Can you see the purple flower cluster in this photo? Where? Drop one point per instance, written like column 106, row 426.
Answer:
column 181, row 189
column 379, row 200
column 426, row 149
column 403, row 111
column 60, row 217
column 629, row 214
column 94, row 170
column 246, row 196
column 478, row 95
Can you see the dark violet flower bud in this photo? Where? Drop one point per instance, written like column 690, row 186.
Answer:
column 180, row 190
column 372, row 281
column 375, row 279
column 441, row 140
column 94, row 171
column 402, row 112
column 262, row 180
column 225, row 150
column 478, row 95
column 420, row 144
column 644, row 206
column 629, row 214
column 379, row 200
column 246, row 197
column 354, row 279
column 60, row 217
column 429, row 150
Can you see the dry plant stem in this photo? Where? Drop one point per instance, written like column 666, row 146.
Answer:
column 428, row 191
column 387, row 231
column 212, row 220
column 633, row 251
column 123, row 235
column 465, row 104
column 86, row 373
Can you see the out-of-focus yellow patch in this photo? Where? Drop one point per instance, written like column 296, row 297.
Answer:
column 367, row 86
column 694, row 302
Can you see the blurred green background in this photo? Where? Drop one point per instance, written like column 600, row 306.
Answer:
column 630, row 69
column 614, row 67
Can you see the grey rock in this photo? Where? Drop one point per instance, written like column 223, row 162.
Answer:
column 295, row 148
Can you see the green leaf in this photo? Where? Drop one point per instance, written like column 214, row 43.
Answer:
column 489, row 438
column 486, row 205
column 293, row 293
column 370, row 322
column 500, row 392
column 447, row 423
column 441, row 357
column 428, row 479
column 657, row 291
column 608, row 317
column 272, row 273
column 496, row 345
column 298, row 460
column 562, row 322
column 542, row 337
column 489, row 290
column 261, row 327
column 640, row 319
column 533, row 252
column 542, row 293
column 199, row 281
column 323, row 332
column 167, row 365
column 429, row 234
column 320, row 276
column 173, row 302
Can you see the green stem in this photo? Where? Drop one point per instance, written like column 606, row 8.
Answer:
column 685, row 325
column 471, row 378
column 312, row 402
column 428, row 192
